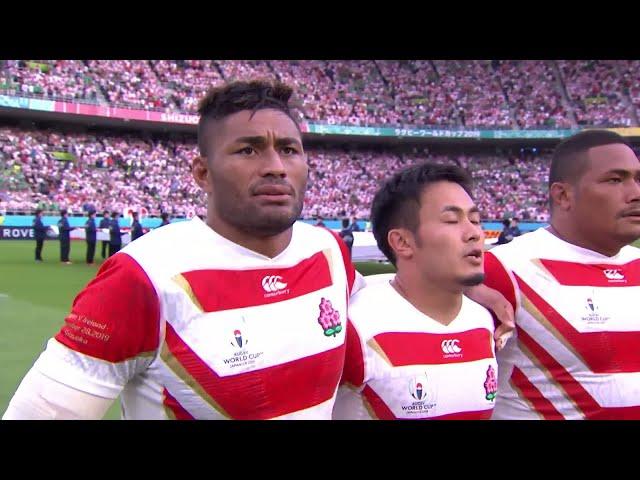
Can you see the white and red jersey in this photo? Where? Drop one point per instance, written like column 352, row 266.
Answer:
column 576, row 350
column 401, row 364
column 185, row 324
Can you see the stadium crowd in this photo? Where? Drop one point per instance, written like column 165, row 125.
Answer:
column 51, row 169
column 80, row 171
column 470, row 93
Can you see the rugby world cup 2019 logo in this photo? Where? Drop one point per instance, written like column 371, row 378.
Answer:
column 418, row 388
column 329, row 318
column 239, row 340
column 423, row 396
column 242, row 356
column 594, row 317
column 417, row 391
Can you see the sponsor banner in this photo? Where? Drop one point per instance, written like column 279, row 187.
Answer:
column 528, row 134
column 27, row 233
column 27, row 103
column 24, row 233
column 317, row 128
column 16, row 233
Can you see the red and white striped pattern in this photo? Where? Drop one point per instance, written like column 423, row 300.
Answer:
column 401, row 364
column 575, row 354
column 194, row 326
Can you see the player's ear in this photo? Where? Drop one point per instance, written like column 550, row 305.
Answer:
column 401, row 242
column 201, row 173
column 561, row 195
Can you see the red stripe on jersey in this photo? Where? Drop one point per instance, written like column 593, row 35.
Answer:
column 618, row 413
column 177, row 409
column 354, row 358
column 603, row 352
column 269, row 392
column 530, row 392
column 378, row 406
column 594, row 275
column 346, row 258
column 218, row 290
column 418, row 348
column 475, row 415
column 585, row 402
column 116, row 316
column 496, row 277
column 576, row 392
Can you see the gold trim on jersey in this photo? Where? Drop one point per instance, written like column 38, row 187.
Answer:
column 378, row 349
column 328, row 255
column 547, row 374
column 150, row 353
column 170, row 415
column 368, row 407
column 525, row 399
column 167, row 411
column 540, row 266
column 176, row 367
column 352, row 387
column 184, row 285
column 532, row 310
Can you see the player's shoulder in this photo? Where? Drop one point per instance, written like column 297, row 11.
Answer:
column 518, row 242
column 629, row 253
column 523, row 245
column 314, row 238
column 313, row 231
column 476, row 313
column 372, row 300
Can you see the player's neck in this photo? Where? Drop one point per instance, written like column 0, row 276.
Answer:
column 571, row 235
column 270, row 246
column 433, row 300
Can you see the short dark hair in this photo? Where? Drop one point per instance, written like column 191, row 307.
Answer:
column 63, row 211
column 106, row 212
column 38, row 211
column 397, row 203
column 220, row 102
column 568, row 162
column 345, row 222
column 114, row 214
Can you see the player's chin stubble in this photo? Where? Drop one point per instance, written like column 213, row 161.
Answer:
column 472, row 280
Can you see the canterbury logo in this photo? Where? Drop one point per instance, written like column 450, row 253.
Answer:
column 613, row 274
column 272, row 283
column 450, row 346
